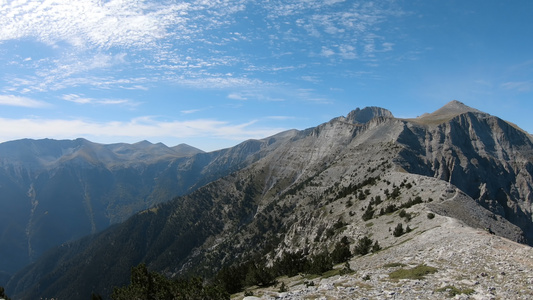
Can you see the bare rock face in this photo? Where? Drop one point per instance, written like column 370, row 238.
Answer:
column 361, row 116
column 487, row 158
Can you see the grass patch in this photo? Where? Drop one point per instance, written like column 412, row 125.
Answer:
column 404, row 241
column 369, row 224
column 331, row 273
column 393, row 265
column 311, row 276
column 452, row 291
column 417, row 272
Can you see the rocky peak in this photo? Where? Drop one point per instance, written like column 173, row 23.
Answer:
column 446, row 113
column 456, row 107
column 361, row 116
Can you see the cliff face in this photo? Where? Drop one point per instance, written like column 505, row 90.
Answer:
column 486, row 157
column 305, row 190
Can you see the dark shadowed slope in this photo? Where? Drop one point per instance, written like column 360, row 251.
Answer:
column 52, row 192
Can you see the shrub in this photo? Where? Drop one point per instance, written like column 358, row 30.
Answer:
column 369, row 213
column 145, row 284
column 291, row 264
column 2, row 294
column 363, row 246
column 398, row 231
column 346, row 269
column 319, row 264
column 402, row 213
column 431, row 216
column 393, row 265
column 376, row 247
column 282, row 287
column 390, row 208
column 453, row 291
column 341, row 253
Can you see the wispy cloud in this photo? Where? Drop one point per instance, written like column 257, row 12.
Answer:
column 280, row 118
column 355, row 23
column 519, row 86
column 12, row 100
column 135, row 129
column 91, row 24
column 237, row 96
column 80, row 99
column 190, row 111
column 185, row 43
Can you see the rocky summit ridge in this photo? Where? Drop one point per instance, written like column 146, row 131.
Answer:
column 448, row 193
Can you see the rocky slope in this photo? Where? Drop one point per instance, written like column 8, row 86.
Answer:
column 354, row 176
column 52, row 192
column 469, row 263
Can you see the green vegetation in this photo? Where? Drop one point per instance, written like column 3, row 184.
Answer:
column 364, row 245
column 346, row 269
column 342, row 252
column 282, row 287
column 369, row 213
column 376, row 247
column 236, row 278
column 417, row 272
column 393, row 265
column 404, row 214
column 398, row 231
column 452, row 291
column 151, row 285
column 431, row 216
column 354, row 189
column 2, row 294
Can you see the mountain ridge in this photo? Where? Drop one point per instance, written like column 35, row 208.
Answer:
column 298, row 185
column 55, row 191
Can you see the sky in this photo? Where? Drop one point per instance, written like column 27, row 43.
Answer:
column 213, row 73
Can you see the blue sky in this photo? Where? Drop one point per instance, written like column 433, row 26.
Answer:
column 213, row 73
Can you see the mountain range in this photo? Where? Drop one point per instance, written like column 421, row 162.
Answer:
column 352, row 177
column 53, row 192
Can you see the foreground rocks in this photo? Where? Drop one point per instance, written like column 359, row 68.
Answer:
column 471, row 264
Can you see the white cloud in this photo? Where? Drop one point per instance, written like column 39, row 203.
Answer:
column 90, row 24
column 12, row 100
column 77, row 99
column 327, row 52
column 236, row 96
column 133, row 130
column 191, row 43
column 519, row 86
column 190, row 111
column 85, row 100
column 280, row 118
column 219, row 82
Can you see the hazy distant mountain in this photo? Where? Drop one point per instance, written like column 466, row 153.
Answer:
column 52, row 192
column 305, row 190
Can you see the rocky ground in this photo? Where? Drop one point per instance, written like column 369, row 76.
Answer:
column 469, row 263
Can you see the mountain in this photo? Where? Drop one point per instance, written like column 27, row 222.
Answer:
column 53, row 192
column 457, row 170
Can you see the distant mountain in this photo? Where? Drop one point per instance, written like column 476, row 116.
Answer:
column 354, row 176
column 53, row 192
